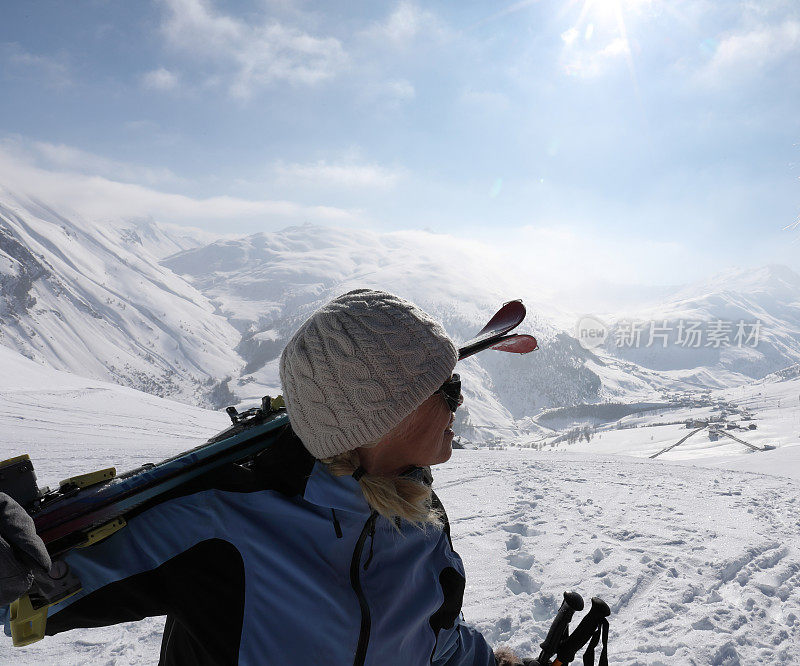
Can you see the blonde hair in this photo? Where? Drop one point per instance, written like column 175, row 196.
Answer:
column 391, row 496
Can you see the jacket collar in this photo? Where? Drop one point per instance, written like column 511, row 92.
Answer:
column 337, row 492
column 344, row 492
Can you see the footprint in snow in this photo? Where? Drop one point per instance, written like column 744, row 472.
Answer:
column 726, row 656
column 521, row 583
column 517, row 528
column 514, row 542
column 704, row 624
column 737, row 567
column 520, row 560
column 544, row 607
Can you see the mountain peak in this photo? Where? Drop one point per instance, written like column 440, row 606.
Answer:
column 776, row 280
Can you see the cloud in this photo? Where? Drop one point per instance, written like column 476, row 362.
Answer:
column 569, row 36
column 53, row 72
column 581, row 60
column 399, row 89
column 100, row 197
column 580, row 258
column 617, row 47
column 745, row 53
column 405, row 25
column 247, row 56
column 160, row 79
column 349, row 175
column 61, row 156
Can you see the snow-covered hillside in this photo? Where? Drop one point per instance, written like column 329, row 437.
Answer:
column 699, row 564
column 183, row 314
column 91, row 298
column 70, row 425
column 768, row 297
column 267, row 284
column 719, row 427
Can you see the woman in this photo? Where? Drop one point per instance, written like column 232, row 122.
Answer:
column 332, row 548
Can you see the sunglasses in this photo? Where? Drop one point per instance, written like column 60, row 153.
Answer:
column 451, row 390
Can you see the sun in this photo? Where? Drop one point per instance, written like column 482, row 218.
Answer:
column 605, row 25
column 610, row 12
column 611, row 8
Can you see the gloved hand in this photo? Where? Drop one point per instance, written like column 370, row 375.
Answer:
column 505, row 657
column 21, row 551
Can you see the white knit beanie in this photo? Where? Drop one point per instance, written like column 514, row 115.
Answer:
column 358, row 367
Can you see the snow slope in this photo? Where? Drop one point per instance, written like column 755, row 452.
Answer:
column 771, row 406
column 112, row 301
column 71, row 425
column 92, row 299
column 699, row 565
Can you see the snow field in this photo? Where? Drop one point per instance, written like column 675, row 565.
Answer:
column 71, row 425
column 698, row 566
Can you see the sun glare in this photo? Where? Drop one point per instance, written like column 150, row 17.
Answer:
column 611, row 7
column 603, row 25
column 606, row 12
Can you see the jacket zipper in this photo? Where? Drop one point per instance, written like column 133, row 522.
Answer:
column 355, row 582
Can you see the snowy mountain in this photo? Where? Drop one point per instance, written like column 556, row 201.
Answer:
column 160, row 239
column 71, row 425
column 92, row 299
column 184, row 314
column 267, row 284
column 736, row 326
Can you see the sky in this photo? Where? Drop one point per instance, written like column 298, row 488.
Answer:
column 608, row 141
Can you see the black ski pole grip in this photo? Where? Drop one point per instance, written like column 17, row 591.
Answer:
column 584, row 631
column 572, row 602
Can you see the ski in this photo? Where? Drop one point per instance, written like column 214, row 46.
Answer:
column 505, row 320
column 516, row 344
column 494, row 334
column 66, row 517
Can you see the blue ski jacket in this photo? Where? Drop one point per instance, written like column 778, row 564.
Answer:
column 282, row 563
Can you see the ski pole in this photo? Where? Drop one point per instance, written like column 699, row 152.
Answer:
column 583, row 632
column 560, row 627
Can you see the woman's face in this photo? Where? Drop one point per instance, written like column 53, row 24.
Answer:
column 423, row 438
column 428, row 432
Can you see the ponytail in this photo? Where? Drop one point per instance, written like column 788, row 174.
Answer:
column 391, row 496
